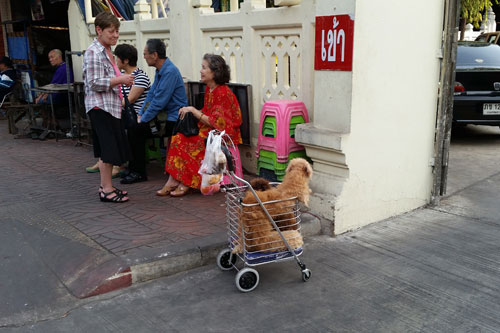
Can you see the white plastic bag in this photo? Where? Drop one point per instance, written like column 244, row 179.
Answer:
column 213, row 164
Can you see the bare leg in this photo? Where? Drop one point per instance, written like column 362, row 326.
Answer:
column 106, row 170
column 169, row 186
column 172, row 181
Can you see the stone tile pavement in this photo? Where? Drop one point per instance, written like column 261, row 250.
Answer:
column 51, row 175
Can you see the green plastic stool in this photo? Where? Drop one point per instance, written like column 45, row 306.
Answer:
column 267, row 160
column 153, row 150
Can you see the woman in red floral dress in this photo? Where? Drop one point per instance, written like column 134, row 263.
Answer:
column 220, row 111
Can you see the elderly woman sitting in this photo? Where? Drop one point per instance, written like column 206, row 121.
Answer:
column 220, row 111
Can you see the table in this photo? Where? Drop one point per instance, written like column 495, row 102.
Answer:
column 51, row 126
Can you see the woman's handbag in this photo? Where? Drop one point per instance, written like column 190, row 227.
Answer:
column 129, row 116
column 187, row 126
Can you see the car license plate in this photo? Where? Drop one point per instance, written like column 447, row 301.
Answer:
column 491, row 108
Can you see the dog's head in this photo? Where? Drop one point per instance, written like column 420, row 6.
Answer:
column 260, row 184
column 300, row 165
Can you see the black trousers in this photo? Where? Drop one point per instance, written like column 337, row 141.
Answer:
column 137, row 137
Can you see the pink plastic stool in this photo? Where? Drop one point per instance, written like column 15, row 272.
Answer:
column 283, row 110
column 235, row 153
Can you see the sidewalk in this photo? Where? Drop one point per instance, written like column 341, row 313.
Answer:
column 96, row 247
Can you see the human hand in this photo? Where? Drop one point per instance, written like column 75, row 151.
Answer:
column 41, row 98
column 127, row 79
column 138, row 118
column 184, row 110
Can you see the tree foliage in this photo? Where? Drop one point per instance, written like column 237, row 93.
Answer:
column 472, row 10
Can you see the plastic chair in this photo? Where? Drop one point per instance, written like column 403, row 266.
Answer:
column 284, row 142
column 153, row 150
column 5, row 97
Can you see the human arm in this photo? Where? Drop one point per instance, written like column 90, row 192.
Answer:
column 159, row 95
column 135, row 93
column 41, row 97
column 196, row 113
column 100, row 74
column 6, row 82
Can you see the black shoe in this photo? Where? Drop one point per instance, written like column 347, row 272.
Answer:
column 124, row 173
column 133, row 177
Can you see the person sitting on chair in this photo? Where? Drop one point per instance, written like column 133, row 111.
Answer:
column 59, row 100
column 8, row 77
column 221, row 111
column 60, row 77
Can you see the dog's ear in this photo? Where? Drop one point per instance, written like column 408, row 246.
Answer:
column 308, row 169
column 260, row 184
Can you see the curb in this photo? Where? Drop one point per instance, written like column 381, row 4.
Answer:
column 156, row 263
column 200, row 252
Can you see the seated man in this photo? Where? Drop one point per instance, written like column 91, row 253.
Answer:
column 60, row 77
column 59, row 100
column 8, row 77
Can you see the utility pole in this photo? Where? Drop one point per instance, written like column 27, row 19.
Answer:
column 445, row 99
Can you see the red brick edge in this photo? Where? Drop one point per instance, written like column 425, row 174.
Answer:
column 115, row 282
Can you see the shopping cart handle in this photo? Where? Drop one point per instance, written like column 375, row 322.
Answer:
column 229, row 158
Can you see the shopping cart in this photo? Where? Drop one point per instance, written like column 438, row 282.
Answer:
column 249, row 226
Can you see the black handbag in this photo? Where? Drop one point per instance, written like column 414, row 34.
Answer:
column 187, row 126
column 129, row 116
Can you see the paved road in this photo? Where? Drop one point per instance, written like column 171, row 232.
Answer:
column 426, row 271
column 474, row 156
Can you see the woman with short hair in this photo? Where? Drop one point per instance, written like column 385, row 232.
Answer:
column 103, row 101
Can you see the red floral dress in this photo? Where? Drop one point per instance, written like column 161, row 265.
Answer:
column 186, row 153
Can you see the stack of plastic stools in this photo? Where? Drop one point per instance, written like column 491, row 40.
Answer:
column 276, row 144
column 267, row 162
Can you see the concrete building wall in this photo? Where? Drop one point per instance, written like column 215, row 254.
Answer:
column 382, row 114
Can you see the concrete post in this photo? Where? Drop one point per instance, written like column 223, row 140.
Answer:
column 492, row 24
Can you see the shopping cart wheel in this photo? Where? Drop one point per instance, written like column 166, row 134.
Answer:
column 306, row 275
column 247, row 279
column 223, row 260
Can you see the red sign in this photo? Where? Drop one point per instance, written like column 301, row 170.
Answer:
column 334, row 40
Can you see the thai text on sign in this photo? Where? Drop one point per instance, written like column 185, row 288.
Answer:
column 333, row 43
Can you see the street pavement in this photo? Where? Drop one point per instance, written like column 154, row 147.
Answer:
column 435, row 269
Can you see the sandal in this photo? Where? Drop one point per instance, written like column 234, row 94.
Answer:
column 116, row 171
column 118, row 198
column 115, row 189
column 166, row 190
column 93, row 169
column 179, row 192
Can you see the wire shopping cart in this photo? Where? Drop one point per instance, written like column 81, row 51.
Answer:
column 258, row 232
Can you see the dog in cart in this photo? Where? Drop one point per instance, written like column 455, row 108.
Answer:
column 264, row 220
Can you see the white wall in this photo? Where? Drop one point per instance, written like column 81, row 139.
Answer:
column 394, row 97
column 372, row 129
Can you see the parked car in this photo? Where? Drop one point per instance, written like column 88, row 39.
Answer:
column 489, row 37
column 477, row 84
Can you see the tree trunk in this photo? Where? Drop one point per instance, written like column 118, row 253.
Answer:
column 462, row 28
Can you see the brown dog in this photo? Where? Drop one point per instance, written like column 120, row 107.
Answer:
column 260, row 235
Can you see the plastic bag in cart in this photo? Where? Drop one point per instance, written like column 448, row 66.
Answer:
column 213, row 164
